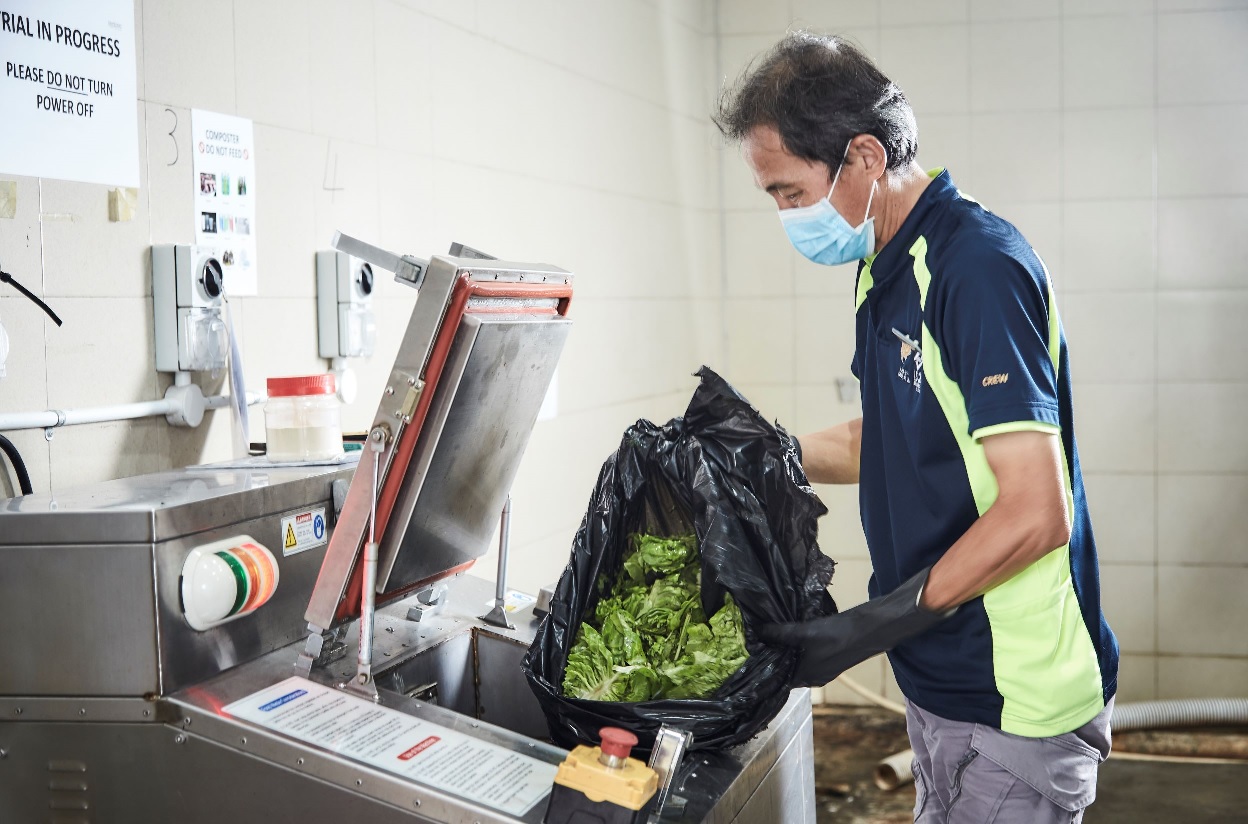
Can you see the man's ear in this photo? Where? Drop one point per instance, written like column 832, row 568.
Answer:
column 870, row 152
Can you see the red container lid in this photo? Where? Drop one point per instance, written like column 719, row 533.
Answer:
column 302, row 385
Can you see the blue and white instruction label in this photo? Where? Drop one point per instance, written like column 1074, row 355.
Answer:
column 398, row 743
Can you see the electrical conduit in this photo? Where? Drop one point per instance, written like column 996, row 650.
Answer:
column 170, row 405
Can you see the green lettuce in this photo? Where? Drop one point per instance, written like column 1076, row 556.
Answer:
column 649, row 637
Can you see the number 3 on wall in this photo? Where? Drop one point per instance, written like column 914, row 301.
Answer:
column 173, row 139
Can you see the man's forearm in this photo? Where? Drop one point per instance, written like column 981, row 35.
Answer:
column 996, row 548
column 1028, row 520
column 831, row 455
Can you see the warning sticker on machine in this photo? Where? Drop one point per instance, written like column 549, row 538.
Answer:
column 303, row 531
column 428, row 753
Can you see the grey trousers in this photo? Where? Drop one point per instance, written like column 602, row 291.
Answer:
column 972, row 774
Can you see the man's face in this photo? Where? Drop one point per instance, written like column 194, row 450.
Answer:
column 793, row 181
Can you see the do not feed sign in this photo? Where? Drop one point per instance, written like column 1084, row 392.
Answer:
column 68, row 96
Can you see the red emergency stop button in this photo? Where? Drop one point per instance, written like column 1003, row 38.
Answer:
column 617, row 742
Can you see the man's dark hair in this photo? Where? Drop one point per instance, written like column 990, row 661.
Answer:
column 819, row 92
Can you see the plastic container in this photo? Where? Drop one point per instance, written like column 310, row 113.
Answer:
column 302, row 419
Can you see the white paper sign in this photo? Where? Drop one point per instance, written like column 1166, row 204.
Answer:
column 68, row 100
column 431, row 754
column 224, row 182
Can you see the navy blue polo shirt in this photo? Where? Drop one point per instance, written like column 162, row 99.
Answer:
column 958, row 338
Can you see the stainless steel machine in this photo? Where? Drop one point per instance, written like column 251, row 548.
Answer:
column 256, row 644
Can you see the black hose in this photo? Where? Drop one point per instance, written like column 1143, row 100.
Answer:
column 5, row 277
column 19, row 466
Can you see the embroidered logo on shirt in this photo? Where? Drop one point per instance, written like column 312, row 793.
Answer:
column 914, row 375
column 993, row 380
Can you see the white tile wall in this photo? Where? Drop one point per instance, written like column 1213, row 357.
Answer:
column 1013, row 9
column 758, row 259
column 1015, row 158
column 752, row 16
column 1129, row 604
column 1137, row 677
column 21, row 247
column 931, row 63
column 909, row 12
column 171, row 31
column 1202, row 519
column 1197, row 338
column 835, row 15
column 169, row 173
column 89, row 454
column 1124, row 516
column 1200, row 427
column 1081, row 8
column 1108, row 61
column 1200, row 55
column 1200, row 5
column 1186, row 624
column 1014, row 66
column 285, row 98
column 1189, row 676
column 1116, row 426
column 343, row 67
column 824, row 330
column 945, row 142
column 405, row 78
column 761, row 340
column 1221, row 169
column 1184, row 261
column 1107, row 245
column 1107, row 153
column 1111, row 336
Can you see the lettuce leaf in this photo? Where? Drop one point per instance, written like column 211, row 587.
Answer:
column 649, row 637
column 658, row 556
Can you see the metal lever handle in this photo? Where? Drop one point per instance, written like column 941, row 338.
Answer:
column 498, row 615
column 408, row 269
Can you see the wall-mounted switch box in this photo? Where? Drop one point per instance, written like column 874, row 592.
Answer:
column 345, row 322
column 187, row 288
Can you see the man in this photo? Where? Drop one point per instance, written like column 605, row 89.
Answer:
column 985, row 587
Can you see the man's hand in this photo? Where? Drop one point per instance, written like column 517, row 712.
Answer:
column 831, row 455
column 1028, row 520
column 833, row 644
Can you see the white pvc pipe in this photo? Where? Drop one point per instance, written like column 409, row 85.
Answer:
column 53, row 418
column 894, row 771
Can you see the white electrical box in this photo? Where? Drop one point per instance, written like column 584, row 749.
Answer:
column 187, row 288
column 345, row 322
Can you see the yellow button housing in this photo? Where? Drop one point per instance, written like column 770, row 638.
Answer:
column 630, row 785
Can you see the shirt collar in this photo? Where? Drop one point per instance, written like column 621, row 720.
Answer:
column 896, row 253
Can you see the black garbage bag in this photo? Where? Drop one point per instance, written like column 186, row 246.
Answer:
column 725, row 474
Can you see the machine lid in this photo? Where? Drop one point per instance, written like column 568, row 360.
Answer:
column 469, row 380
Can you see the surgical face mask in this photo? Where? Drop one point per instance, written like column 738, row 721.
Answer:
column 820, row 233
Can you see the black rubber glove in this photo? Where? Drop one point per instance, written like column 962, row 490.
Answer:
column 833, row 644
